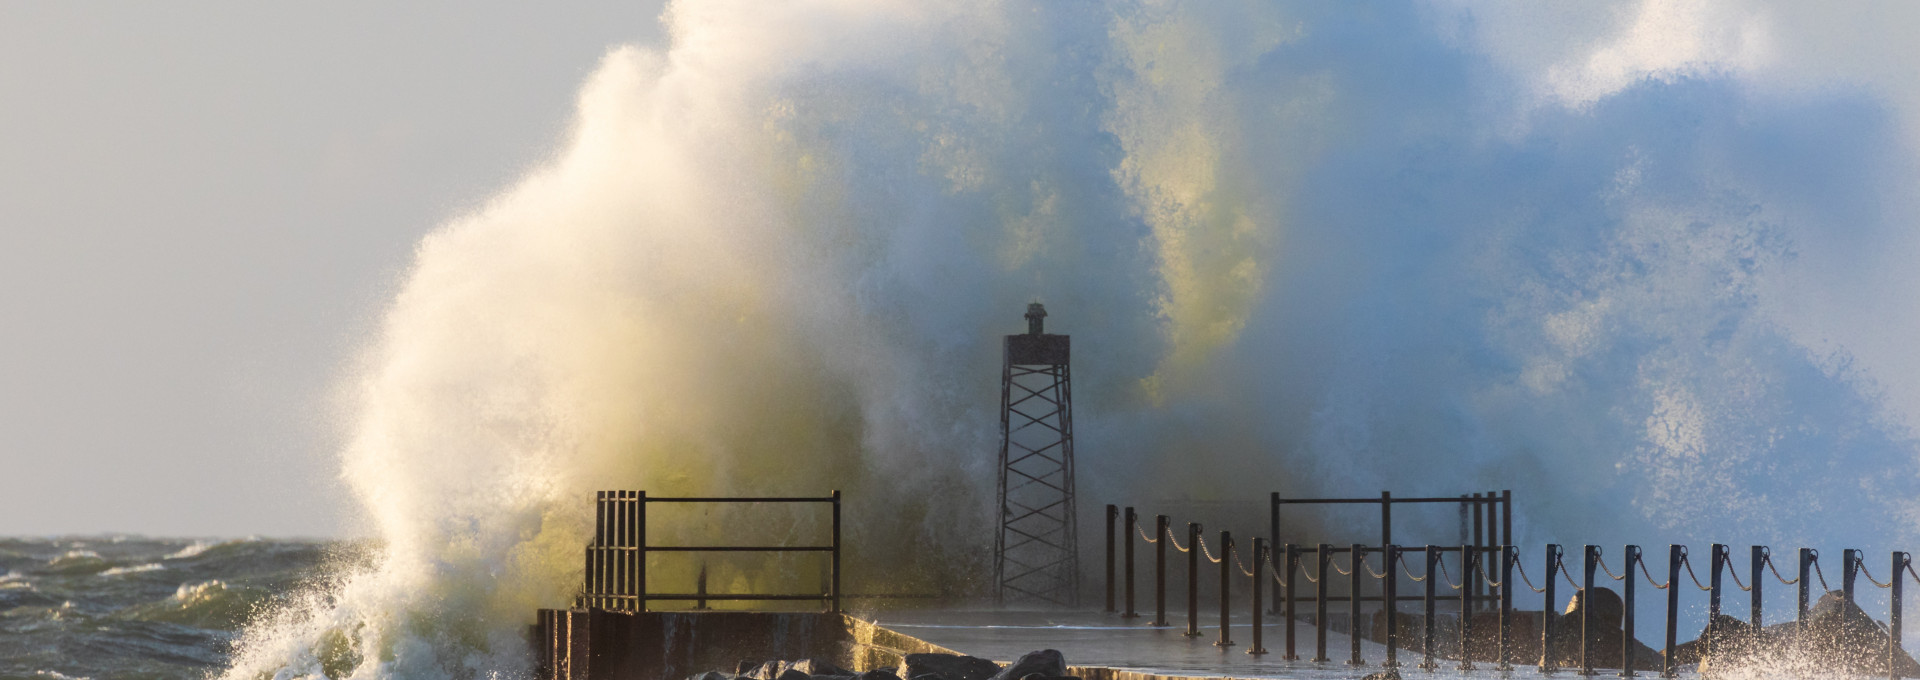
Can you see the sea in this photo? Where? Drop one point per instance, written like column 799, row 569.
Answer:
column 142, row 608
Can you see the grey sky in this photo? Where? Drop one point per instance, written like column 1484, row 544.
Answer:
column 203, row 207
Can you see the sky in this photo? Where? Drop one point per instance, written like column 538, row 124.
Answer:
column 204, row 206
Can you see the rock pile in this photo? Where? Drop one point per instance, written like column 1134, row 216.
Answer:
column 1045, row 664
column 1838, row 638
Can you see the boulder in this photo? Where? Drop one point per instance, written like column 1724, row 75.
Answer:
column 879, row 674
column 793, row 674
column 710, row 675
column 1523, row 638
column 1608, row 640
column 819, row 667
column 1045, row 663
column 948, row 667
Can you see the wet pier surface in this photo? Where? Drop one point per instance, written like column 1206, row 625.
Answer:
column 1098, row 639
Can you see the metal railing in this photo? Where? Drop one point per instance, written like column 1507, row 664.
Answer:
column 616, row 573
column 1284, row 560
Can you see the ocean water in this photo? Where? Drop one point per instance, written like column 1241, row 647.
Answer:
column 137, row 608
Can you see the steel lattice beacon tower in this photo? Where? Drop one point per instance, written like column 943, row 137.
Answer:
column 1036, row 553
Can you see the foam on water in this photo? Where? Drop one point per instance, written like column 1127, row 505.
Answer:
column 1302, row 248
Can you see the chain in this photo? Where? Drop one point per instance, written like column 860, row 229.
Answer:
column 1916, row 576
column 1776, row 571
column 1204, row 551
column 1862, row 565
column 1449, row 576
column 1336, row 567
column 1816, row 571
column 1656, row 584
column 1569, row 576
column 1603, row 567
column 1371, row 572
column 1242, row 565
column 1481, row 566
column 1309, row 577
column 1143, row 534
column 1687, row 561
column 1522, row 566
column 1402, row 559
column 1735, row 573
column 1175, row 541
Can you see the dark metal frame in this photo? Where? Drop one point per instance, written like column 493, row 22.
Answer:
column 616, row 574
column 1036, row 549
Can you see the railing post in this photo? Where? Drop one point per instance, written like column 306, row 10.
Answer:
column 1261, row 551
column 1807, row 556
column 1226, row 583
column 1549, row 664
column 1273, row 540
column 640, row 560
column 1587, row 628
column 1292, row 567
column 1193, row 579
column 1469, row 554
column 1426, row 640
column 1358, row 560
column 1721, row 556
column 1113, row 515
column 1900, row 561
column 1675, row 555
column 1162, row 534
column 1508, row 556
column 1390, row 601
column 836, row 551
column 1133, row 526
column 1320, row 604
column 1632, row 556
column 1479, row 539
column 1760, row 555
column 1849, row 563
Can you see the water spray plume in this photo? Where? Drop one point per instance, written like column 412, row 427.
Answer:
column 777, row 258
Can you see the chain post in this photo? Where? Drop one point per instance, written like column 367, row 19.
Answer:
column 1508, row 556
column 1133, row 526
column 1357, row 558
column 1320, row 604
column 1433, row 560
column 1760, row 556
column 1226, row 583
column 1293, row 593
column 1469, row 555
column 1548, row 663
column 1162, row 534
column 1632, row 556
column 1722, row 554
column 1807, row 556
column 1675, row 555
column 1900, row 566
column 1193, row 579
column 1113, row 516
column 1389, row 601
column 1849, row 565
column 1262, row 551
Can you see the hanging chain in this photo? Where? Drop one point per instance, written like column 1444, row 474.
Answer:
column 1336, row 567
column 1143, row 534
column 1823, row 577
column 1776, row 571
column 1371, row 572
column 1522, row 566
column 1735, row 573
column 1603, row 567
column 1204, row 551
column 1569, row 576
column 1402, row 559
column 1862, row 566
column 1481, row 566
column 1656, row 584
column 1448, row 575
column 1175, row 541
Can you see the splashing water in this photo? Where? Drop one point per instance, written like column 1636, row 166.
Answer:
column 1311, row 249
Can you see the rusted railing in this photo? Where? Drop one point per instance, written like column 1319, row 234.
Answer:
column 1493, row 567
column 616, row 573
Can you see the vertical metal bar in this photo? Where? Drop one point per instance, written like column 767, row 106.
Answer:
column 1292, row 595
column 1759, row 564
column 640, row 549
column 1479, row 539
column 1722, row 554
column 1675, row 555
column 1193, row 579
column 1273, row 539
column 1493, row 521
column 1357, row 559
column 1849, row 564
column 1626, row 613
column 1587, row 626
column 1320, row 604
column 1506, row 516
column 1900, row 562
column 1386, row 518
column 1548, row 663
column 1226, row 583
column 1262, row 550
column 1469, row 556
column 836, row 551
column 1133, row 525
column 1003, row 513
column 1162, row 534
column 1807, row 556
column 1112, row 517
column 1508, row 557
column 1390, row 600
column 1426, row 637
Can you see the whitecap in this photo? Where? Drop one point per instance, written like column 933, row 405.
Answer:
column 116, row 571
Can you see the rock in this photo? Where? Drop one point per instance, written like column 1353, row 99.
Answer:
column 1037, row 676
column 819, row 667
column 710, row 675
column 1388, row 674
column 757, row 670
column 1045, row 662
column 879, row 674
column 1608, row 609
column 948, row 667
column 1608, row 642
column 793, row 674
